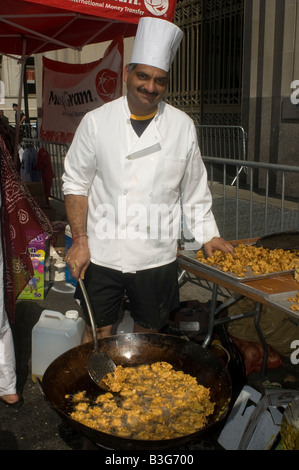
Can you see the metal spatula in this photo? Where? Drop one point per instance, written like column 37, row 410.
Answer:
column 98, row 363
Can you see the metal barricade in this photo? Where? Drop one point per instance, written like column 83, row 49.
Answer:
column 245, row 210
column 257, row 204
column 57, row 154
column 223, row 142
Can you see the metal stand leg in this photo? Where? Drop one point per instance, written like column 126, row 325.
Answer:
column 261, row 337
column 214, row 321
column 214, row 312
column 212, row 316
column 181, row 279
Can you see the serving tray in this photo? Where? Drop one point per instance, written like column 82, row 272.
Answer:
column 190, row 255
column 280, row 300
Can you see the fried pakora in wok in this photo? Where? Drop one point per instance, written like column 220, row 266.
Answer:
column 152, row 402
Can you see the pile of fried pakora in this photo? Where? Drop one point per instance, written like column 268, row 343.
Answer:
column 153, row 402
column 251, row 258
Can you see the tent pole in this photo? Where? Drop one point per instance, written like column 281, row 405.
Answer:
column 22, row 61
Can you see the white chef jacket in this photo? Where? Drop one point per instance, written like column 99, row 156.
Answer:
column 134, row 185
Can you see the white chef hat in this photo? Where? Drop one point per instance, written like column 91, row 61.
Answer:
column 156, row 43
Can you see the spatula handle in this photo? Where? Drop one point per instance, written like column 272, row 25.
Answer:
column 89, row 309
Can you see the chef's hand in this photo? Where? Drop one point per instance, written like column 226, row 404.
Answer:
column 218, row 243
column 78, row 257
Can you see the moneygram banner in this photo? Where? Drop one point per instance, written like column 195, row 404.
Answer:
column 72, row 90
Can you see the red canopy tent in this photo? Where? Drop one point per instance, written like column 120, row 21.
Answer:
column 29, row 27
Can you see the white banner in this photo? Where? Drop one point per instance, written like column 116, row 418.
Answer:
column 72, row 90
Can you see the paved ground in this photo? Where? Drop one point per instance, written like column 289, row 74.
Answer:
column 259, row 219
column 252, row 215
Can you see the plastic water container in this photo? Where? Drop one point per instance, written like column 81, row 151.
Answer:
column 52, row 335
column 68, row 243
column 126, row 325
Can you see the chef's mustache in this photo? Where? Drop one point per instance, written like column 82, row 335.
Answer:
column 144, row 90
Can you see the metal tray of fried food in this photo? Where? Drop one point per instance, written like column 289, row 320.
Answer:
column 190, row 255
column 281, row 301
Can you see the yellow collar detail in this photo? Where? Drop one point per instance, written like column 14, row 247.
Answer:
column 143, row 118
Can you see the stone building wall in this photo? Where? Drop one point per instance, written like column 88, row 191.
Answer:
column 271, row 65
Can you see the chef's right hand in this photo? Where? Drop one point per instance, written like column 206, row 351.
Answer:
column 78, row 257
column 218, row 243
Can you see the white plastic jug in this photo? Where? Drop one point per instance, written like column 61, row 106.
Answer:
column 52, row 335
column 126, row 325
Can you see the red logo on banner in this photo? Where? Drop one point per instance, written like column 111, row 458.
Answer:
column 106, row 83
column 157, row 7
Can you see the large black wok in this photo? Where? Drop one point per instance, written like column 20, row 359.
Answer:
column 68, row 374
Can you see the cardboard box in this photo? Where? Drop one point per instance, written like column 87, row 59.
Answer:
column 35, row 189
column 58, row 239
column 255, row 419
column 39, row 285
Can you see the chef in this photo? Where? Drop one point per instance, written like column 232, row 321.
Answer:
column 130, row 164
